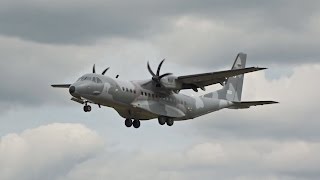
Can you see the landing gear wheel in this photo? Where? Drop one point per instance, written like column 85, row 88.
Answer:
column 170, row 122
column 87, row 108
column 128, row 122
column 162, row 120
column 136, row 123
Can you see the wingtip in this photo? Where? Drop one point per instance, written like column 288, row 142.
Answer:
column 274, row 102
column 262, row 68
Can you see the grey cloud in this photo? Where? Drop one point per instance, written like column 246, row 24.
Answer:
column 80, row 22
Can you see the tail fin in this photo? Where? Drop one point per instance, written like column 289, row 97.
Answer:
column 234, row 85
column 232, row 90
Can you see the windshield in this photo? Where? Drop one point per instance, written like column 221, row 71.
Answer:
column 94, row 79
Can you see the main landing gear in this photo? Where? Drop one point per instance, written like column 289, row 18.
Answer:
column 135, row 123
column 163, row 120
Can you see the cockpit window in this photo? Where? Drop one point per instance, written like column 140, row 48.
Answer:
column 94, row 79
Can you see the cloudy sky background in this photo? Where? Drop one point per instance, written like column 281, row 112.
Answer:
column 46, row 136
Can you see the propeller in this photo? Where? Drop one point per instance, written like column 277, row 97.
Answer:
column 105, row 70
column 94, row 70
column 157, row 77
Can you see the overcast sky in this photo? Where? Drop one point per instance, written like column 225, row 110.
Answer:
column 46, row 136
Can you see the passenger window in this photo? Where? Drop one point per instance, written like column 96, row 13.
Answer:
column 145, row 94
column 123, row 89
column 134, row 91
column 142, row 93
column 131, row 90
column 127, row 89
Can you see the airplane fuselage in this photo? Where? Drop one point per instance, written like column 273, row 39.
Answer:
column 130, row 98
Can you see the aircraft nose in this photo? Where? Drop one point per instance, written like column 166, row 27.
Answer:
column 72, row 89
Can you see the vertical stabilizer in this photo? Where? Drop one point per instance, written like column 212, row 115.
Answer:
column 232, row 90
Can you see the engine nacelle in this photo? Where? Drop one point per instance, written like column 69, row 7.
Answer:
column 171, row 83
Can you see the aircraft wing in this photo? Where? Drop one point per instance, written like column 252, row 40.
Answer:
column 206, row 79
column 248, row 104
column 158, row 108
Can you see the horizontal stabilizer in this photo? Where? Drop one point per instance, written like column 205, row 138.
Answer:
column 248, row 104
column 61, row 85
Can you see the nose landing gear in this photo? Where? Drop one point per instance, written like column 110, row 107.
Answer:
column 86, row 108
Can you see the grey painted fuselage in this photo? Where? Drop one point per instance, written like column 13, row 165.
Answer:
column 127, row 96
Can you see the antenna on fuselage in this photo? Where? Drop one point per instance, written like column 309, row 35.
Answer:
column 117, row 76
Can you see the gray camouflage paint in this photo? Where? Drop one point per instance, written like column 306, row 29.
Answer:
column 142, row 100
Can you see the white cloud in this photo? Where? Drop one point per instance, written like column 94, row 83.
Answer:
column 46, row 152
column 227, row 159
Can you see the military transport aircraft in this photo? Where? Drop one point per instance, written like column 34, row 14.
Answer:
column 160, row 97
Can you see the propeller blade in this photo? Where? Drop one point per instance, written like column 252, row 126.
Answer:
column 159, row 67
column 150, row 70
column 105, row 70
column 94, row 69
column 163, row 75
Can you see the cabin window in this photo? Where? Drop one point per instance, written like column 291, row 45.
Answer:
column 134, row 91
column 131, row 90
column 127, row 89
